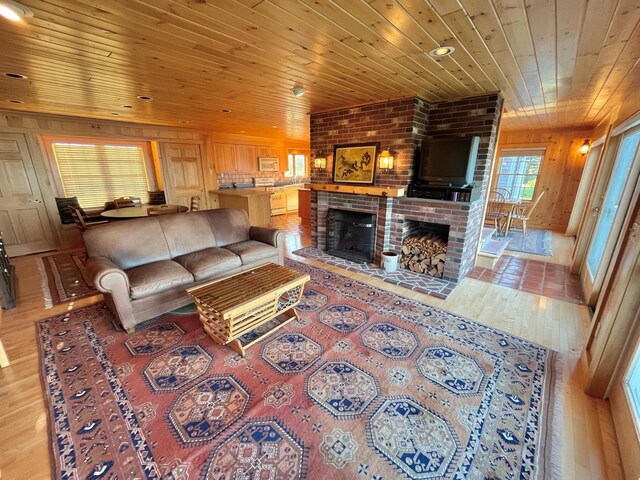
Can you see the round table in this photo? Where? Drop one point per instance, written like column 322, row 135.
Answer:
column 132, row 212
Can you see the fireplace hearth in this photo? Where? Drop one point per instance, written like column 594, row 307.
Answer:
column 351, row 235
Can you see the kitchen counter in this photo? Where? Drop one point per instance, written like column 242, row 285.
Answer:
column 255, row 201
column 241, row 192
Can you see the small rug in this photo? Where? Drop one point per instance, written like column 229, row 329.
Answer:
column 365, row 385
column 537, row 242
column 63, row 278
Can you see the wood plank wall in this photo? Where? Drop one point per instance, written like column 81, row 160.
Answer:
column 559, row 175
column 33, row 126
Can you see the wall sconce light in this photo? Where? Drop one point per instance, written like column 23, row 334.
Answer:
column 584, row 149
column 320, row 161
column 385, row 161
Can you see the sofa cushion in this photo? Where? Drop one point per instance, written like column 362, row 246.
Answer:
column 209, row 262
column 252, row 251
column 157, row 277
column 186, row 232
column 229, row 225
column 128, row 243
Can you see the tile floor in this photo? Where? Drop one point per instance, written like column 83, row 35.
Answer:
column 533, row 276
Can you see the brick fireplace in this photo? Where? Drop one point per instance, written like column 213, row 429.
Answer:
column 402, row 125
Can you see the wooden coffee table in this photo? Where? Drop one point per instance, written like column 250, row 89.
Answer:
column 234, row 306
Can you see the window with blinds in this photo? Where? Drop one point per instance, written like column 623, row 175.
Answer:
column 518, row 172
column 99, row 172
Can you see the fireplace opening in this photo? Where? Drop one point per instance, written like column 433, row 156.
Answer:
column 351, row 235
column 424, row 247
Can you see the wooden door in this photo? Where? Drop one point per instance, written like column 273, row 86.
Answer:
column 23, row 217
column 182, row 165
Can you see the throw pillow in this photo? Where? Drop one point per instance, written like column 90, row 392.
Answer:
column 63, row 205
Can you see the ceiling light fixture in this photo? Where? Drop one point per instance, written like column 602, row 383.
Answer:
column 15, row 75
column 183, row 121
column 225, row 110
column 14, row 11
column 144, row 97
column 127, row 106
column 15, row 101
column 443, row 51
column 584, row 149
column 114, row 113
column 298, row 91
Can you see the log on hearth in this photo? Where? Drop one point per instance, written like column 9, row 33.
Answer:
column 424, row 253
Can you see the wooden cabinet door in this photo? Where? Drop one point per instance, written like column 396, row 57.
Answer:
column 23, row 217
column 224, row 155
column 246, row 158
column 183, row 173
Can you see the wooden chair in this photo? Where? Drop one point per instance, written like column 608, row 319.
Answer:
column 496, row 211
column 163, row 210
column 522, row 213
column 195, row 204
column 81, row 221
column 124, row 202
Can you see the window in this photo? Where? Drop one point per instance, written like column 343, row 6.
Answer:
column 632, row 388
column 518, row 172
column 97, row 172
column 296, row 165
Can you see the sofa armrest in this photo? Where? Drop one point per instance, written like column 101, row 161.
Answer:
column 270, row 236
column 107, row 277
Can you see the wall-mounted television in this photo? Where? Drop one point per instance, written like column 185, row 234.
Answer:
column 448, row 161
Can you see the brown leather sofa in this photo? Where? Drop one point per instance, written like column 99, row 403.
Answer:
column 144, row 266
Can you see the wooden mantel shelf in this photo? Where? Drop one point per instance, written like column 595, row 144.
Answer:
column 356, row 190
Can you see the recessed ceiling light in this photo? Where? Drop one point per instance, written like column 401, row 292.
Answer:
column 298, row 91
column 114, row 113
column 274, row 126
column 15, row 101
column 242, row 131
column 144, row 97
column 14, row 11
column 127, row 106
column 225, row 110
column 183, row 121
column 15, row 75
column 442, row 51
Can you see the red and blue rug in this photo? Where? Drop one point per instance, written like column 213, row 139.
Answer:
column 366, row 385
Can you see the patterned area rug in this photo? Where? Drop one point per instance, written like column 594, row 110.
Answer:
column 63, row 278
column 366, row 385
column 537, row 242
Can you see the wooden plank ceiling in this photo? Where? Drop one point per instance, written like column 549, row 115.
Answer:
column 558, row 63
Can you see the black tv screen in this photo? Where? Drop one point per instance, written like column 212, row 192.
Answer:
column 449, row 161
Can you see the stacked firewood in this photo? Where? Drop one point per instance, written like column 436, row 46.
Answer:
column 424, row 254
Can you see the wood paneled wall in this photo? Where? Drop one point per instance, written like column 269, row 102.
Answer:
column 559, row 175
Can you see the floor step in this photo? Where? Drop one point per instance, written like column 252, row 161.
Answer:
column 491, row 251
column 487, row 233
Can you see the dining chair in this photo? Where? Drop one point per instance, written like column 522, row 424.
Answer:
column 124, row 202
column 195, row 204
column 523, row 213
column 163, row 210
column 496, row 211
column 81, row 220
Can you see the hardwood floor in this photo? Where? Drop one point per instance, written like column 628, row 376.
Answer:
column 589, row 450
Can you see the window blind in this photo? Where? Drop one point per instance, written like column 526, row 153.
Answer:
column 99, row 172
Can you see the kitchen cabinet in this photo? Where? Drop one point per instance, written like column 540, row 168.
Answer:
column 292, row 197
column 224, row 155
column 246, row 158
column 304, row 206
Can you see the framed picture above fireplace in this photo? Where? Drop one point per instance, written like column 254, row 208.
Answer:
column 355, row 163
